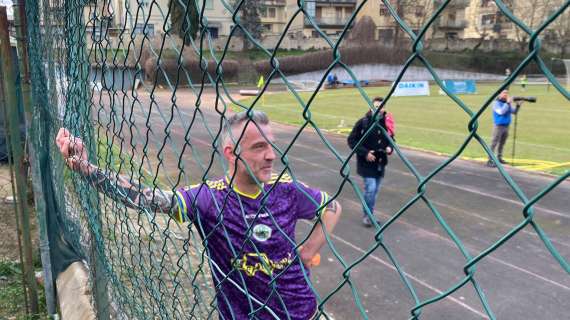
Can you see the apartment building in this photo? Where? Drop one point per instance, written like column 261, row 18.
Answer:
column 219, row 19
column 452, row 21
column 114, row 16
column 274, row 17
column 331, row 16
column 487, row 21
column 461, row 19
column 145, row 16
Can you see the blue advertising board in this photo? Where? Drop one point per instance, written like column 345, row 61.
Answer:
column 460, row 86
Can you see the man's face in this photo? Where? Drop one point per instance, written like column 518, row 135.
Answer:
column 376, row 104
column 255, row 150
column 504, row 95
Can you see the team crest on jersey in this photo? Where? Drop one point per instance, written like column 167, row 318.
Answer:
column 261, row 232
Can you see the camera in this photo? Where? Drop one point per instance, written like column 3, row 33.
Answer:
column 527, row 99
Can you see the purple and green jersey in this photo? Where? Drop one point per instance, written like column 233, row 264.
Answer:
column 250, row 240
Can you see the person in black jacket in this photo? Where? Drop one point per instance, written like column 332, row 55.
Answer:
column 371, row 155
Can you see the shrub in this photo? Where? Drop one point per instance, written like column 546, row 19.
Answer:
column 320, row 60
column 169, row 68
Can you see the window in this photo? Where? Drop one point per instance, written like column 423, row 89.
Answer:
column 268, row 12
column 384, row 10
column 339, row 13
column 141, row 28
column 419, row 11
column 272, row 12
column 451, row 35
column 267, row 27
column 96, row 34
column 209, row 4
column 385, row 34
column 487, row 19
column 213, row 31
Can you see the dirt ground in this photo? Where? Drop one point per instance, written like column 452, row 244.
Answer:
column 8, row 230
column 12, row 305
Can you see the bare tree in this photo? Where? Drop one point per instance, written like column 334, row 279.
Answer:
column 363, row 32
column 558, row 32
column 480, row 26
column 414, row 12
column 250, row 20
column 532, row 13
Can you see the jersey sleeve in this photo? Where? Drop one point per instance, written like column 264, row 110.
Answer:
column 309, row 201
column 191, row 200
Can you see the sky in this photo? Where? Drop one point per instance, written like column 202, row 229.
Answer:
column 8, row 3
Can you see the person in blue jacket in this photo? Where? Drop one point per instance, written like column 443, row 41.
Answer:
column 503, row 108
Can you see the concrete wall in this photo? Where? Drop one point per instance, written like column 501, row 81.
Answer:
column 74, row 293
column 375, row 72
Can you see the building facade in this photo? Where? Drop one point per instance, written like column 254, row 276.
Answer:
column 461, row 19
column 487, row 21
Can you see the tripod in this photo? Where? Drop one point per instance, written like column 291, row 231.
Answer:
column 515, row 114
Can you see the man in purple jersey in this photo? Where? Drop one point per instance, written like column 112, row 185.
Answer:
column 247, row 220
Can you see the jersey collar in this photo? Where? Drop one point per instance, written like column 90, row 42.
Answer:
column 245, row 194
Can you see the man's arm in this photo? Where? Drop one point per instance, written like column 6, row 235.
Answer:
column 115, row 186
column 502, row 107
column 355, row 136
column 317, row 238
column 120, row 188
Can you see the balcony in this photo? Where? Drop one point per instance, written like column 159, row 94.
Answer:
column 497, row 27
column 333, row 2
column 276, row 3
column 452, row 24
column 454, row 4
column 328, row 22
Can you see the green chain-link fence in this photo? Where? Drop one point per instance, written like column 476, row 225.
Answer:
column 165, row 134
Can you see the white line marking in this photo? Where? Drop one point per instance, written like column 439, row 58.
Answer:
column 419, row 281
column 448, row 241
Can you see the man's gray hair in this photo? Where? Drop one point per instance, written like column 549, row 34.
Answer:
column 236, row 120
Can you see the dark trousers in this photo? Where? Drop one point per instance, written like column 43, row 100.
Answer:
column 500, row 134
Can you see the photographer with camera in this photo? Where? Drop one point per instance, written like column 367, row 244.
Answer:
column 502, row 110
column 372, row 153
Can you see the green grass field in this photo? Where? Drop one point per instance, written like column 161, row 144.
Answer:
column 436, row 123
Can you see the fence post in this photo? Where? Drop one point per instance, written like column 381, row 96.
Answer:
column 20, row 23
column 4, row 113
column 17, row 154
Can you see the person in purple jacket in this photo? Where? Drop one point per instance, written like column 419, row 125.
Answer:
column 247, row 220
column 502, row 110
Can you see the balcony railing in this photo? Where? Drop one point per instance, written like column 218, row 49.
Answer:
column 329, row 21
column 457, row 4
column 453, row 24
column 278, row 3
column 333, row 1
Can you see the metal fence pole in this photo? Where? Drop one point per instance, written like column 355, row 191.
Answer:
column 9, row 79
column 4, row 111
column 21, row 36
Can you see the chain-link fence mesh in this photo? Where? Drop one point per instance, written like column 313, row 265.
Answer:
column 152, row 108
